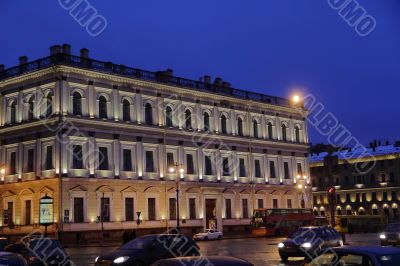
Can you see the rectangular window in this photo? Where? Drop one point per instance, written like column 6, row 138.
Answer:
column 272, row 172
column 348, row 198
column 260, row 203
column 170, row 160
column 384, row 195
column 172, row 208
column 151, row 209
column 257, row 168
column 228, row 209
column 127, row 160
column 394, row 195
column 242, row 167
column 10, row 210
column 189, row 164
column 208, row 165
column 49, row 158
column 129, row 209
column 299, row 169
column 149, row 162
column 286, row 170
column 373, row 196
column 192, row 209
column 245, row 210
column 275, row 203
column 338, row 198
column 289, row 203
column 364, row 197
column 225, row 167
column 357, row 197
column 28, row 209
column 30, row 162
column 13, row 163
column 78, row 210
column 103, row 158
column 77, row 157
column 105, row 209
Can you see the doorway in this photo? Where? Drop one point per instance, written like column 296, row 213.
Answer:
column 211, row 211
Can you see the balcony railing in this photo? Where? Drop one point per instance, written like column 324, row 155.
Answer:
column 121, row 70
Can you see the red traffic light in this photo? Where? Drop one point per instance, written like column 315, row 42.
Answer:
column 331, row 190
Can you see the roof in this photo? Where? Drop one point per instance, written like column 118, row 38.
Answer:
column 361, row 152
column 376, row 250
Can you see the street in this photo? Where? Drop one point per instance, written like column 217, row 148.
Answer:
column 259, row 251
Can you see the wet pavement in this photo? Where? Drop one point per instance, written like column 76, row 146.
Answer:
column 259, row 251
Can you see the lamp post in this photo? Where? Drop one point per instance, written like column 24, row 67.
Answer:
column 302, row 186
column 177, row 168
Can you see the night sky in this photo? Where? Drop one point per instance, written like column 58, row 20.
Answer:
column 275, row 47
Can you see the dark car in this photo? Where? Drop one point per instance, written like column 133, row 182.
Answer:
column 147, row 249
column 10, row 259
column 307, row 242
column 391, row 235
column 196, row 261
column 3, row 243
column 46, row 251
column 368, row 256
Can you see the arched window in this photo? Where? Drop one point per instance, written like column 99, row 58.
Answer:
column 223, row 124
column 49, row 104
column 255, row 128
column 77, row 103
column 297, row 133
column 13, row 112
column 168, row 117
column 30, row 109
column 188, row 119
column 206, row 121
column 270, row 131
column 284, row 136
column 103, row 107
column 148, row 114
column 240, row 126
column 126, row 110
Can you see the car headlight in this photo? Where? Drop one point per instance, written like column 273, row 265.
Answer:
column 306, row 245
column 96, row 259
column 281, row 245
column 382, row 236
column 121, row 259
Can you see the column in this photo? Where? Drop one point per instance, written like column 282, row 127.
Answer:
column 91, row 101
column 38, row 145
column 20, row 165
column 279, row 168
column 162, row 160
column 115, row 104
column 291, row 130
column 39, row 104
column 233, row 122
column 235, row 163
column 64, row 97
column 266, row 168
column 57, row 91
column 160, row 111
column 216, row 119
column 117, row 159
column 198, row 116
column 200, row 163
column 278, row 130
column 180, row 110
column 139, row 158
column 20, row 107
column 139, row 108
column 263, row 127
column 294, row 169
column 218, row 164
column 93, row 155
column 3, row 109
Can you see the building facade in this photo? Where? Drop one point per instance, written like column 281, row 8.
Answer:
column 374, row 191
column 100, row 139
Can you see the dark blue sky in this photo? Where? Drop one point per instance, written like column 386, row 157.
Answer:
column 269, row 46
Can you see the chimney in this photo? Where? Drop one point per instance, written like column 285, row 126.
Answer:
column 217, row 81
column 23, row 60
column 66, row 49
column 226, row 84
column 55, row 49
column 84, row 53
column 2, row 67
column 207, row 79
column 169, row 72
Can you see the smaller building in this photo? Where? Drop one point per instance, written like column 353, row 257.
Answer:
column 365, row 182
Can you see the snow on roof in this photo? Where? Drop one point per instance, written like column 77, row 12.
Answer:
column 357, row 153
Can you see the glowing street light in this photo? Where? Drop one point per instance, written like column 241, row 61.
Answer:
column 296, row 98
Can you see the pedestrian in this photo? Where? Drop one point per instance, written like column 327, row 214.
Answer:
column 125, row 237
column 350, row 229
column 132, row 235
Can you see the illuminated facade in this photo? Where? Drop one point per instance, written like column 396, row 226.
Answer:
column 372, row 192
column 100, row 138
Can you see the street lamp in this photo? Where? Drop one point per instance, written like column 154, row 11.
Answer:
column 302, row 186
column 175, row 169
column 296, row 98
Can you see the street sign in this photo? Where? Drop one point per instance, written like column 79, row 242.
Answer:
column 46, row 209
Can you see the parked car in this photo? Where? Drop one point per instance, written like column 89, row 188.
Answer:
column 307, row 242
column 145, row 250
column 46, row 251
column 209, row 260
column 11, row 259
column 368, row 256
column 391, row 235
column 208, row 234
column 3, row 243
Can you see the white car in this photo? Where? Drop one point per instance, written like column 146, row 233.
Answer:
column 208, row 234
